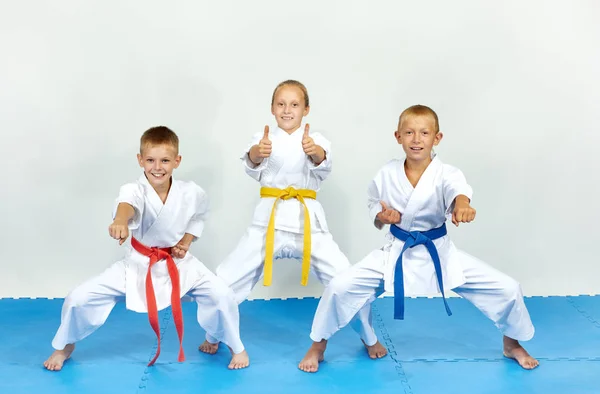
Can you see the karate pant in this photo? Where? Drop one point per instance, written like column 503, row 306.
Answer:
column 243, row 268
column 87, row 307
column 495, row 294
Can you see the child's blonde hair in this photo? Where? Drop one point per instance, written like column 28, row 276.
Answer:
column 159, row 135
column 419, row 110
column 291, row 82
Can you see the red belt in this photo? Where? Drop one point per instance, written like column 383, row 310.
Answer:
column 157, row 254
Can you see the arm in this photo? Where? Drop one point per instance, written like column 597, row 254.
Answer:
column 379, row 211
column 183, row 246
column 127, row 214
column 119, row 229
column 374, row 198
column 195, row 226
column 318, row 149
column 255, row 158
column 457, row 196
column 254, row 155
column 463, row 212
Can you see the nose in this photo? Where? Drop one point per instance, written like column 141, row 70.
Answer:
column 156, row 165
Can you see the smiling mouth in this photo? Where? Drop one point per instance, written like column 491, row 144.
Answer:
column 416, row 149
column 287, row 118
column 158, row 175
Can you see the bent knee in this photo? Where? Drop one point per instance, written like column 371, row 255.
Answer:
column 220, row 293
column 340, row 285
column 79, row 296
column 511, row 289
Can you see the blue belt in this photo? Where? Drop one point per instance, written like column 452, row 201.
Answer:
column 412, row 239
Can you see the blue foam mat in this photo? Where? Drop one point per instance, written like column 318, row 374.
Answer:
column 89, row 378
column 429, row 351
column 427, row 333
column 503, row 377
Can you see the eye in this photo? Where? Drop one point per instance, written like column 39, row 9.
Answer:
column 280, row 104
column 166, row 160
column 295, row 104
column 149, row 160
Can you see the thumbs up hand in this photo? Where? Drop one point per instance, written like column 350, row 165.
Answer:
column 261, row 150
column 316, row 153
column 308, row 144
column 388, row 215
column 264, row 145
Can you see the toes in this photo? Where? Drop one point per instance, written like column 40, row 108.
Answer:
column 309, row 367
column 532, row 364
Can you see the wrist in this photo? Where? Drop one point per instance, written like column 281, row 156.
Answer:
column 187, row 239
column 462, row 199
column 254, row 159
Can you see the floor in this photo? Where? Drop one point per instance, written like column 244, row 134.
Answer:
column 429, row 351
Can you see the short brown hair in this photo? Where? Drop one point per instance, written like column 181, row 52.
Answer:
column 291, row 82
column 159, row 135
column 420, row 110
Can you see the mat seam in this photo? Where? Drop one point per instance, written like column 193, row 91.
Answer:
column 166, row 320
column 581, row 310
column 391, row 350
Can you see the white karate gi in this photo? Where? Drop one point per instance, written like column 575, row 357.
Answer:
column 287, row 166
column 423, row 208
column 160, row 225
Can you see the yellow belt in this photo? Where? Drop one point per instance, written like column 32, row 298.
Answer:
column 286, row 194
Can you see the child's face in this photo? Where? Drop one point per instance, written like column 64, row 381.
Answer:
column 417, row 135
column 288, row 108
column 158, row 162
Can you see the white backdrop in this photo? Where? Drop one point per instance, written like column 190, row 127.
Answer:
column 516, row 86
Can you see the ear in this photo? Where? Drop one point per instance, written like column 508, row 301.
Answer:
column 306, row 111
column 438, row 138
column 398, row 136
column 177, row 161
column 140, row 160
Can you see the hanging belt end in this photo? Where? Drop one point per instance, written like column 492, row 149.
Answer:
column 151, row 363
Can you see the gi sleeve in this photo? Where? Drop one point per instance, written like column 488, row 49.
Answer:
column 374, row 198
column 454, row 184
column 255, row 171
column 196, row 223
column 322, row 170
column 132, row 194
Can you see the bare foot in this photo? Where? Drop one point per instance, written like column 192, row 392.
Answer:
column 209, row 348
column 57, row 359
column 514, row 350
column 239, row 361
column 315, row 355
column 376, row 351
